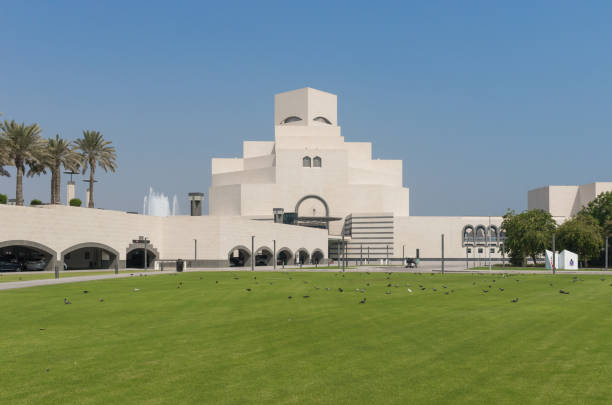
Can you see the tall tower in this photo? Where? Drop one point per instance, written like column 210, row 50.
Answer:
column 306, row 107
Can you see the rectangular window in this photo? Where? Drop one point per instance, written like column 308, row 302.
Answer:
column 480, row 250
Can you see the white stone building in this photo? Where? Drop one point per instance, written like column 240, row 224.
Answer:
column 299, row 195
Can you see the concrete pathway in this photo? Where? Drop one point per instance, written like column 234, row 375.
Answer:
column 10, row 285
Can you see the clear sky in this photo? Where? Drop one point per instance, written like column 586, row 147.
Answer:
column 481, row 100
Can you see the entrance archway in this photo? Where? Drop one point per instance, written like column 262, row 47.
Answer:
column 302, row 256
column 284, row 256
column 25, row 255
column 89, row 255
column 264, row 256
column 135, row 258
column 135, row 255
column 317, row 256
column 239, row 256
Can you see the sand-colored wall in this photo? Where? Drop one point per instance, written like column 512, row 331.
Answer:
column 60, row 228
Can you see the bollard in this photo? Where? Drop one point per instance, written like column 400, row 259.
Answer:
column 442, row 253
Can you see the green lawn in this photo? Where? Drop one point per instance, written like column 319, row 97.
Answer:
column 210, row 342
column 6, row 277
column 529, row 268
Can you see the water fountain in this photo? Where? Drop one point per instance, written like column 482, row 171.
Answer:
column 158, row 204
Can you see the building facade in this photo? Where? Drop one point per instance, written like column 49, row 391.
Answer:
column 307, row 196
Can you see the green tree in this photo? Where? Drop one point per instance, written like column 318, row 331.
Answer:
column 75, row 202
column 3, row 157
column 36, row 201
column 4, row 161
column 528, row 234
column 608, row 228
column 3, row 198
column 600, row 209
column 22, row 146
column 59, row 152
column 582, row 235
column 95, row 151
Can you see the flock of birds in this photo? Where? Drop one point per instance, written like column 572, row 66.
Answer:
column 388, row 281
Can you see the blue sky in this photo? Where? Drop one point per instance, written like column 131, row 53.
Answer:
column 481, row 100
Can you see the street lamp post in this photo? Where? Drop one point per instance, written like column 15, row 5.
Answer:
column 387, row 255
column 607, row 237
column 554, row 262
column 253, row 253
column 195, row 250
column 343, row 253
column 442, row 253
column 274, row 259
column 489, row 242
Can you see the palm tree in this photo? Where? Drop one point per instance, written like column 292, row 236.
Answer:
column 95, row 151
column 21, row 145
column 3, row 159
column 3, row 156
column 59, row 152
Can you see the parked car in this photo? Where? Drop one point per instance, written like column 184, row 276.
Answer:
column 35, row 265
column 236, row 262
column 8, row 264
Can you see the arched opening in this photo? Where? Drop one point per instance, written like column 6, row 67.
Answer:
column 306, row 162
column 317, row 256
column 322, row 120
column 316, row 162
column 291, row 119
column 264, row 256
column 481, row 235
column 468, row 236
column 23, row 255
column 302, row 256
column 493, row 235
column 135, row 258
column 323, row 204
column 90, row 255
column 284, row 256
column 239, row 256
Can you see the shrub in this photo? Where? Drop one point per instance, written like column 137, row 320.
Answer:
column 2, row 198
column 35, row 202
column 75, row 202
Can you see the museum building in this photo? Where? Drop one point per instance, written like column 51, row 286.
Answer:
column 305, row 197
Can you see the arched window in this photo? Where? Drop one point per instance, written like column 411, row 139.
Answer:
column 322, row 120
column 468, row 235
column 493, row 235
column 293, row 118
column 481, row 235
column 316, row 162
column 306, row 162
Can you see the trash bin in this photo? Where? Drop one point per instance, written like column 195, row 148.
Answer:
column 180, row 265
